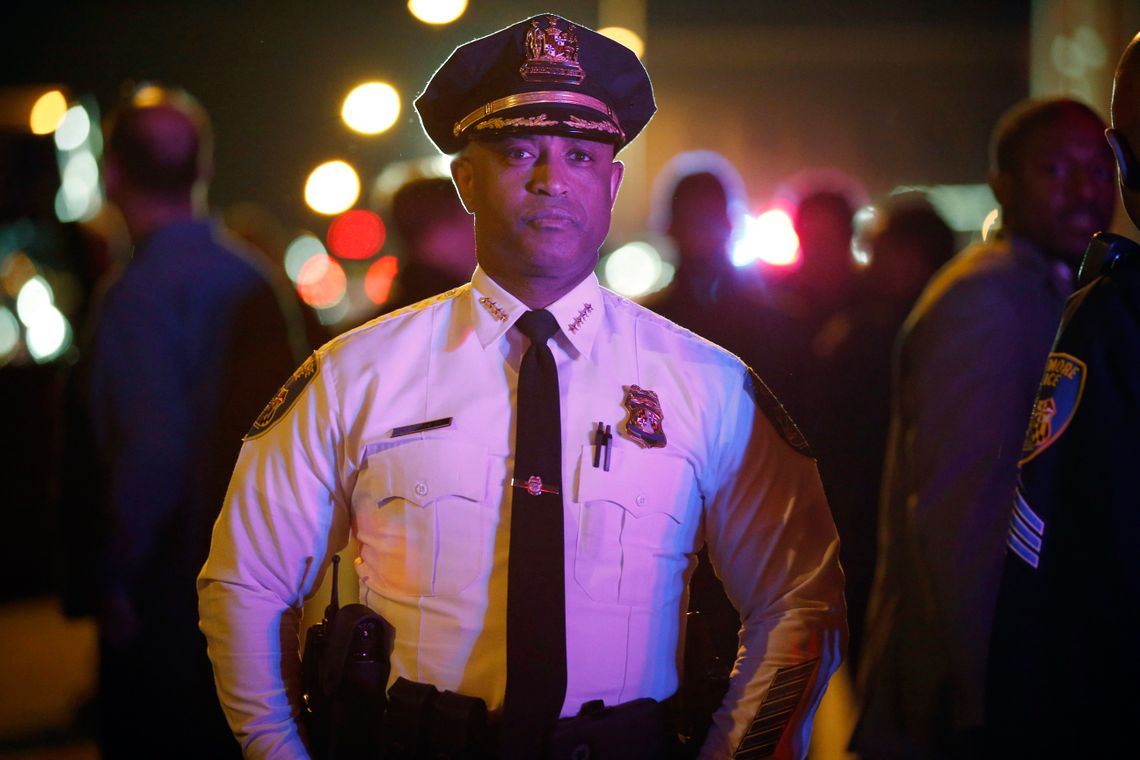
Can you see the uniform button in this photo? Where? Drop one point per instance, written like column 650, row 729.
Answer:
column 421, row 488
column 581, row 752
column 640, row 500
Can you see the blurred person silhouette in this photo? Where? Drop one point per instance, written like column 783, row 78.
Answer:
column 824, row 224
column 1062, row 674
column 187, row 343
column 699, row 203
column 970, row 358
column 818, row 297
column 438, row 237
column 906, row 243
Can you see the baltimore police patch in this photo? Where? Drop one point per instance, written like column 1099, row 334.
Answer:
column 1056, row 403
column 776, row 413
column 283, row 400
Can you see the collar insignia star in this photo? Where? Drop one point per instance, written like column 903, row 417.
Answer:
column 577, row 322
column 493, row 309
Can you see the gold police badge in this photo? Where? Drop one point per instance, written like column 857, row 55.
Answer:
column 644, row 424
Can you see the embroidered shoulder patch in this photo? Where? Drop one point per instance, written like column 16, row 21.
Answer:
column 284, row 399
column 763, row 397
column 1057, row 401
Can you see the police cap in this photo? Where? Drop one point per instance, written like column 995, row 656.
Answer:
column 543, row 75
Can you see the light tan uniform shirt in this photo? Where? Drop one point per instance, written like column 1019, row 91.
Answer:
column 431, row 513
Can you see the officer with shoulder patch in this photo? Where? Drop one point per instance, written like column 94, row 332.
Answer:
column 530, row 463
column 1062, row 675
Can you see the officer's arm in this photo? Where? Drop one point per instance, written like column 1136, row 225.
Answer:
column 284, row 517
column 773, row 543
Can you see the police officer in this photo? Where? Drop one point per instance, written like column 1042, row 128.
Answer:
column 1062, row 675
column 426, row 436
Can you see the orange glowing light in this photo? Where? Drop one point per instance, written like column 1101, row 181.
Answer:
column 357, row 234
column 378, row 279
column 47, row 113
column 321, row 282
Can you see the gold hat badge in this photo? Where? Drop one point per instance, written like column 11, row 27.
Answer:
column 552, row 54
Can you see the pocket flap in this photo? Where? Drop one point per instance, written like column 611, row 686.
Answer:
column 422, row 471
column 640, row 482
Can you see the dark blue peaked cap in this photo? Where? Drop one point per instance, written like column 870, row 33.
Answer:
column 544, row 75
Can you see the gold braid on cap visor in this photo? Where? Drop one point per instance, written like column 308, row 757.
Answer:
column 542, row 96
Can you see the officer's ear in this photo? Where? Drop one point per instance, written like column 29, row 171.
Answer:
column 617, row 171
column 1125, row 159
column 463, row 175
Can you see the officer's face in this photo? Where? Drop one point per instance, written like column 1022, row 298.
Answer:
column 1061, row 188
column 542, row 206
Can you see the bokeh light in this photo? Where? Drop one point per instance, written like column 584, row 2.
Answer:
column 770, row 238
column 16, row 269
column 48, row 335
column 47, row 113
column 74, row 129
column 9, row 334
column 356, row 234
column 437, row 11
column 78, row 194
column 865, row 223
column 378, row 279
column 990, row 220
column 627, row 37
column 321, row 282
column 332, row 188
column 34, row 300
column 371, row 108
column 633, row 269
column 301, row 249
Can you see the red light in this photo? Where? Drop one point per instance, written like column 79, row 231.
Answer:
column 378, row 279
column 356, row 234
column 770, row 239
column 321, row 282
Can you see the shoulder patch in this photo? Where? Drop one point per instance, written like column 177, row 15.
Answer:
column 1056, row 404
column 763, row 397
column 284, row 399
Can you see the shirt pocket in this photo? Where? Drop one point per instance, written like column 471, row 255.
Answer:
column 421, row 516
column 636, row 525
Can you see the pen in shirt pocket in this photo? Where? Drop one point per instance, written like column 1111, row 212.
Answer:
column 603, row 442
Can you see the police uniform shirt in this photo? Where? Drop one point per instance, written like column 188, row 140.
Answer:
column 344, row 448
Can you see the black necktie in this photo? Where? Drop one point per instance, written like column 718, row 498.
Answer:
column 536, row 605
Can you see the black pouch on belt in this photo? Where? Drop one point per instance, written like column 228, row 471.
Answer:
column 637, row 730
column 423, row 723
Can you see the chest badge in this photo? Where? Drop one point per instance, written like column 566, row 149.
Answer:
column 643, row 425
